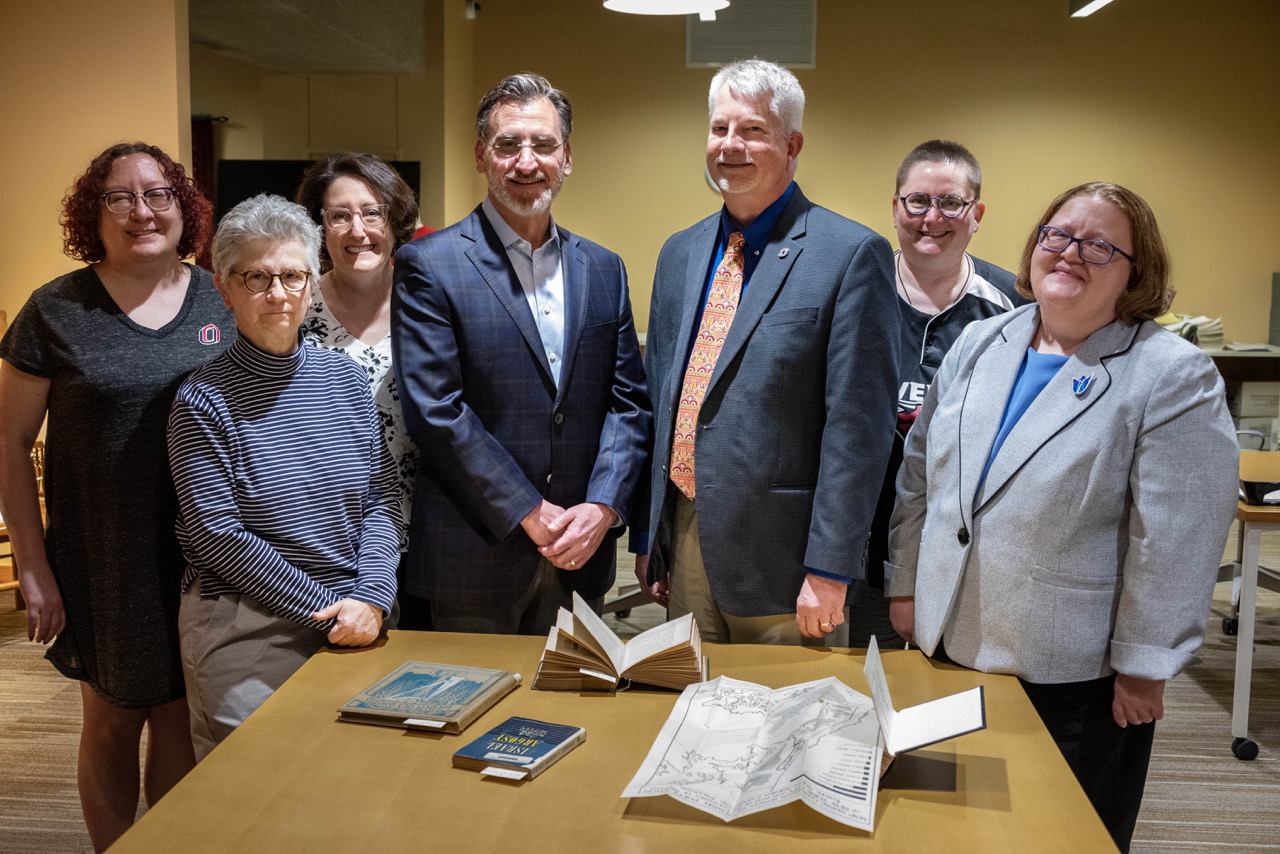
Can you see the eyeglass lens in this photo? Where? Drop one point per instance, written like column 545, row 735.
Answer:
column 122, row 201
column 506, row 146
column 340, row 219
column 918, row 204
column 259, row 281
column 1094, row 251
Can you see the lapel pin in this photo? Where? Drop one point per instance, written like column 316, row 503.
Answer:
column 1081, row 384
column 783, row 252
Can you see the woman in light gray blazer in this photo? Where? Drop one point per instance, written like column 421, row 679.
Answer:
column 1066, row 493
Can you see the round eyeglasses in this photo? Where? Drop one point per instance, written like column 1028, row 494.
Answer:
column 157, row 198
column 259, row 281
column 506, row 147
column 918, row 204
column 340, row 219
column 1092, row 251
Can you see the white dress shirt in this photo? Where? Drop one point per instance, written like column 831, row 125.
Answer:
column 541, row 277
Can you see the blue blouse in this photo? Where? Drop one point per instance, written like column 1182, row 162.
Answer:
column 1034, row 374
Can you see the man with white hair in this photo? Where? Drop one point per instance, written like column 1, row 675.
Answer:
column 770, row 356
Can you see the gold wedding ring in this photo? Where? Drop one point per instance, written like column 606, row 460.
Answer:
column 824, row 625
column 573, row 563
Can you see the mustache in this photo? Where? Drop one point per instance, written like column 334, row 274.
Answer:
column 746, row 160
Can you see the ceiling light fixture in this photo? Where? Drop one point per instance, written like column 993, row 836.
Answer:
column 704, row 9
column 1082, row 8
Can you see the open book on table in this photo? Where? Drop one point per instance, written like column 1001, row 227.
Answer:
column 584, row 654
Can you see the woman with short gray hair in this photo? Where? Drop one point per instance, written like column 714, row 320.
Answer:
column 289, row 511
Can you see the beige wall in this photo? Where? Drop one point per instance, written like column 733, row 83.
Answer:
column 1174, row 101
column 58, row 114
column 232, row 89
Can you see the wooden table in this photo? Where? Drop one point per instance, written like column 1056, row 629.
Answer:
column 1258, row 466
column 294, row 779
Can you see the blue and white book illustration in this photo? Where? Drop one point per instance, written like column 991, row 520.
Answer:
column 428, row 695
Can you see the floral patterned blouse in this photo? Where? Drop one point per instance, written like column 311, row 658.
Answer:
column 323, row 330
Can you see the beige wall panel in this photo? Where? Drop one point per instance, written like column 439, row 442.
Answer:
column 226, row 87
column 418, row 109
column 463, row 186
column 421, row 106
column 353, row 112
column 66, row 97
column 286, row 117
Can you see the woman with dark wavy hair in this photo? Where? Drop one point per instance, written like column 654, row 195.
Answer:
column 368, row 212
column 101, row 352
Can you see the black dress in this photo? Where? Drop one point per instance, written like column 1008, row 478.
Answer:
column 109, row 495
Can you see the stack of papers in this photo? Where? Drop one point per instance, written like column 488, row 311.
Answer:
column 1202, row 330
column 1243, row 347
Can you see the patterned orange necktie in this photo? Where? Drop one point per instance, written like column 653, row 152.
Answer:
column 717, row 317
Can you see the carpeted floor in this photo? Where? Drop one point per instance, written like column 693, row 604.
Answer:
column 1199, row 798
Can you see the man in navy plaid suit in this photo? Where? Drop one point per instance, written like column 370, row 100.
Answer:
column 520, row 376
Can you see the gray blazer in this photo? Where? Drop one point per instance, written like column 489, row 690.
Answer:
column 794, row 432
column 1094, row 544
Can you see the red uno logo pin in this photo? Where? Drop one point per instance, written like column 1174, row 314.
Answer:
column 210, row 334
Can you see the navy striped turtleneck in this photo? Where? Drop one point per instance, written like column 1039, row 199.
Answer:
column 286, row 490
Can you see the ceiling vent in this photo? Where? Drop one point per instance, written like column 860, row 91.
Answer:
column 784, row 31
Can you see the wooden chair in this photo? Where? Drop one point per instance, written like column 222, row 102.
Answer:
column 37, row 462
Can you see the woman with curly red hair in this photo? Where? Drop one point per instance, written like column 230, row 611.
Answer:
column 101, row 352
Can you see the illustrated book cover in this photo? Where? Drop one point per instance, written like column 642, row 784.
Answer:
column 519, row 748
column 424, row 695
column 584, row 654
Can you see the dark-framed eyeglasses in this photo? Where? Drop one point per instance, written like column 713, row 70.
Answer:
column 340, row 219
column 950, row 206
column 1092, row 250
column 157, row 198
column 259, row 281
column 507, row 147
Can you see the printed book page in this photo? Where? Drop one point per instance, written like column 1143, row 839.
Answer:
column 732, row 748
column 613, row 647
column 676, row 633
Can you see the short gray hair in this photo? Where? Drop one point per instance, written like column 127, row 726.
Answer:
column 266, row 217
column 752, row 78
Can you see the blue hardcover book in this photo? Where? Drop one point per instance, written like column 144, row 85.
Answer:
column 519, row 748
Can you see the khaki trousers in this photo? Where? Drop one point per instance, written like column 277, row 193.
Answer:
column 691, row 594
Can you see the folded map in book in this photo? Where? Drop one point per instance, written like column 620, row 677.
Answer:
column 733, row 748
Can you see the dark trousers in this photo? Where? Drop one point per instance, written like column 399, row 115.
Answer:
column 415, row 612
column 1110, row 761
column 533, row 614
